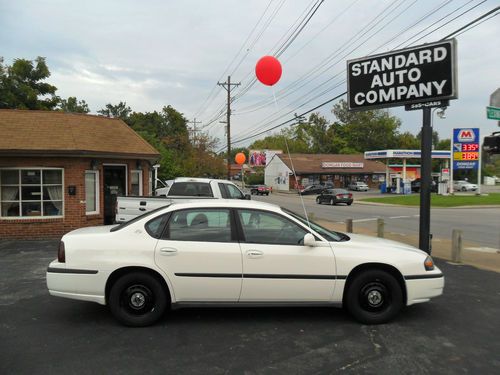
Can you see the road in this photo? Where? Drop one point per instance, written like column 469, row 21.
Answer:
column 456, row 333
column 480, row 226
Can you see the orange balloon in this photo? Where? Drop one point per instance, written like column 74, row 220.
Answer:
column 240, row 158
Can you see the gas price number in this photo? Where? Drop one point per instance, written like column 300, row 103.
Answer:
column 470, row 147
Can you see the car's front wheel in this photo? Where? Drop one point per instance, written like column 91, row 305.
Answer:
column 374, row 297
column 138, row 299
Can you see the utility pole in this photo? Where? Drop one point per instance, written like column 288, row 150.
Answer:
column 227, row 86
column 194, row 130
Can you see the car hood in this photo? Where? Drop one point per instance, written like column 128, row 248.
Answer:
column 368, row 242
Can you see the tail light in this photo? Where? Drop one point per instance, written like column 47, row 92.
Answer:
column 339, row 196
column 61, row 254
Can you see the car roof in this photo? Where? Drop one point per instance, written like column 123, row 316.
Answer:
column 199, row 179
column 229, row 203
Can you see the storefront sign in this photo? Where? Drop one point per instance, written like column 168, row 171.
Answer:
column 346, row 164
column 414, row 75
column 466, row 148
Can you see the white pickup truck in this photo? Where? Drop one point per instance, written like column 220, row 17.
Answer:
column 181, row 189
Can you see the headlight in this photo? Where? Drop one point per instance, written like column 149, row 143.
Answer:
column 428, row 264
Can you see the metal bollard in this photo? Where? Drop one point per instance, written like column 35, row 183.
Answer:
column 457, row 246
column 380, row 227
column 348, row 226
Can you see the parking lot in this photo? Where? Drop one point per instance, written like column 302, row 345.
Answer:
column 40, row 334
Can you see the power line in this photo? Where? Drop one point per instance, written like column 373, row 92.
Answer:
column 459, row 31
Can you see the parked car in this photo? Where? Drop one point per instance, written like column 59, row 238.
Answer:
column 358, row 186
column 311, row 189
column 334, row 196
column 415, row 186
column 220, row 252
column 259, row 189
column 462, row 185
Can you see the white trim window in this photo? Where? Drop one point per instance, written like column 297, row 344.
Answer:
column 136, row 183
column 31, row 192
column 91, row 192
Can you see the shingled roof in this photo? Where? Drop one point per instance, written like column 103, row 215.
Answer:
column 58, row 133
column 312, row 163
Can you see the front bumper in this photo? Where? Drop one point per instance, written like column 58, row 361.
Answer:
column 423, row 288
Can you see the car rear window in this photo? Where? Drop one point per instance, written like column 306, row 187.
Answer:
column 191, row 189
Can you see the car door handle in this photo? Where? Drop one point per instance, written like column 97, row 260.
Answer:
column 254, row 254
column 168, row 251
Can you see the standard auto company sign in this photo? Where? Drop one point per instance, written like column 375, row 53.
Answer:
column 414, row 75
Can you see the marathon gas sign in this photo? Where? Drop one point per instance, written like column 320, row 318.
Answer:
column 414, row 75
column 466, row 148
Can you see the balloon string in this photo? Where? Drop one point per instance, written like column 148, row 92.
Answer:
column 291, row 165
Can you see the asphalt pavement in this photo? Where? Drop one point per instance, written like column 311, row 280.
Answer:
column 39, row 334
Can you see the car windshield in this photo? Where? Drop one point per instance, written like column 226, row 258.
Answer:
column 137, row 218
column 330, row 235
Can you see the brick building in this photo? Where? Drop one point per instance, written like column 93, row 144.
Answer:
column 61, row 171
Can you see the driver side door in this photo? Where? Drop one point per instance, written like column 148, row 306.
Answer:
column 277, row 267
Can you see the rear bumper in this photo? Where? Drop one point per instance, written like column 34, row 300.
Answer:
column 80, row 284
column 423, row 289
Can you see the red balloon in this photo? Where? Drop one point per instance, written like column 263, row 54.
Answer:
column 268, row 70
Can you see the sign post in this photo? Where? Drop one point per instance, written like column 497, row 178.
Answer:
column 420, row 77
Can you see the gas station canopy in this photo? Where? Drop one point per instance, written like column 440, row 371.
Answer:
column 405, row 154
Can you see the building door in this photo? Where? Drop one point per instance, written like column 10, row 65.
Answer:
column 115, row 183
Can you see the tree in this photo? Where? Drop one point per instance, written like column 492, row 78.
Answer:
column 73, row 105
column 365, row 130
column 120, row 110
column 22, row 85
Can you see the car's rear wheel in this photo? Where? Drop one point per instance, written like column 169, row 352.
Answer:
column 332, row 201
column 464, row 188
column 374, row 297
column 318, row 200
column 349, row 203
column 138, row 299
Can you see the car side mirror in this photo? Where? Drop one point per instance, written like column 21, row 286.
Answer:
column 309, row 240
column 248, row 197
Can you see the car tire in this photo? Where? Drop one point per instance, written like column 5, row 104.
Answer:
column 464, row 188
column 267, row 194
column 138, row 299
column 374, row 297
column 332, row 202
column 318, row 201
column 349, row 203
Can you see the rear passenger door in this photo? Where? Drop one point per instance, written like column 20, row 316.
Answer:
column 199, row 252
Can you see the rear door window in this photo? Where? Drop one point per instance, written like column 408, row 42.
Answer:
column 234, row 192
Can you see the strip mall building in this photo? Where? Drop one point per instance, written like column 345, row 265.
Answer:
column 337, row 169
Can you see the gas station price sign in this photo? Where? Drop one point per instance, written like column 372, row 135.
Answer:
column 466, row 148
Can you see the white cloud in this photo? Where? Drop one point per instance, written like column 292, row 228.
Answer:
column 157, row 53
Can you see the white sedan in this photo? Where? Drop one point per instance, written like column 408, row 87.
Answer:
column 223, row 253
column 463, row 185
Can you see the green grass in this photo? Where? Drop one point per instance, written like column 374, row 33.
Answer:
column 440, row 200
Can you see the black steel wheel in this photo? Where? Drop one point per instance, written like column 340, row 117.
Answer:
column 374, row 297
column 138, row 299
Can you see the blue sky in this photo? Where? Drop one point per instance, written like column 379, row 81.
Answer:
column 155, row 53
